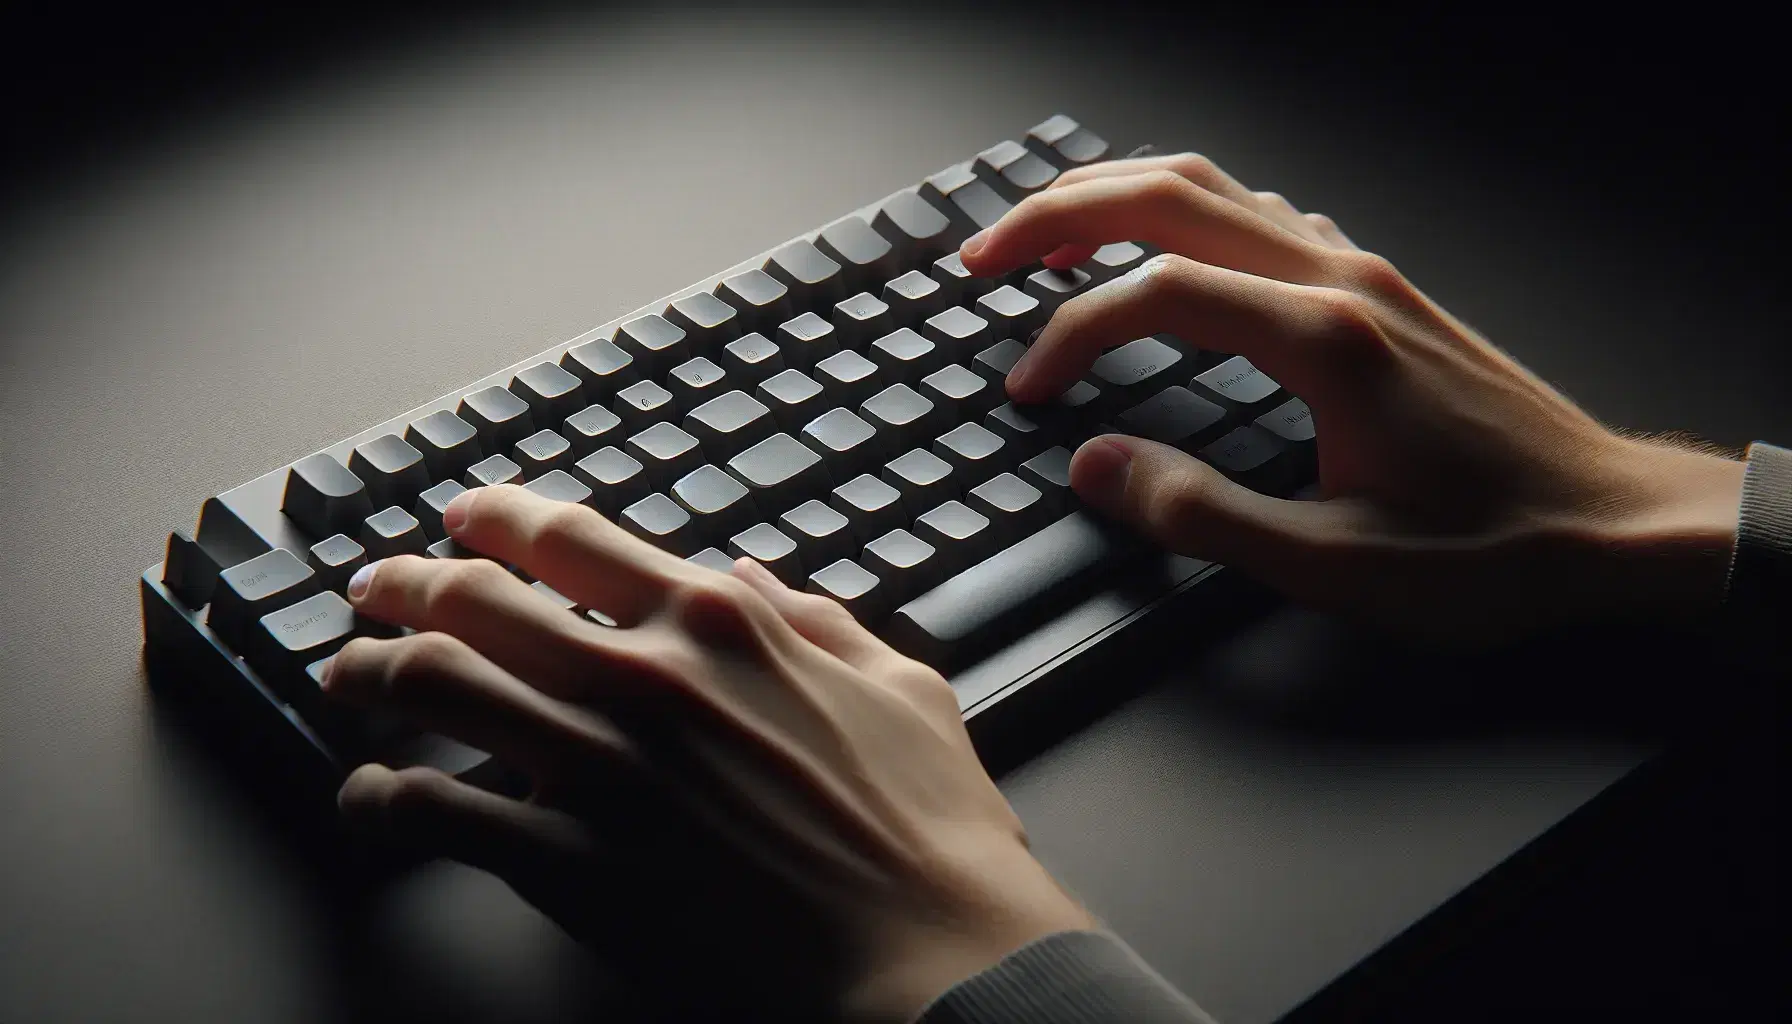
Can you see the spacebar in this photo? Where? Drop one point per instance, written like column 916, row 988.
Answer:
column 989, row 603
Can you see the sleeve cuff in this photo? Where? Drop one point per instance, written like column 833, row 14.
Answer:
column 1759, row 592
column 1079, row 977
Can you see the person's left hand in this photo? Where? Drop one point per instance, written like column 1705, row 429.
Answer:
column 741, row 795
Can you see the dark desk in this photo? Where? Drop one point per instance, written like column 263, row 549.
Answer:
column 288, row 265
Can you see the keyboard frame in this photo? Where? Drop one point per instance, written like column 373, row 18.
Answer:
column 1040, row 664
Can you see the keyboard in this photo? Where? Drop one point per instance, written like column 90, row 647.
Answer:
column 833, row 408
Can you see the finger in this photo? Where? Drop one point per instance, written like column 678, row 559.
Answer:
column 1193, row 166
column 424, row 809
column 823, row 622
column 567, row 546
column 1328, row 229
column 446, row 687
column 1189, row 507
column 1284, row 329
column 1275, row 207
column 1158, row 207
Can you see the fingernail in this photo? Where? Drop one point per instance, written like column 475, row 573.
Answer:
column 361, row 580
column 1100, row 470
column 454, row 514
column 974, row 243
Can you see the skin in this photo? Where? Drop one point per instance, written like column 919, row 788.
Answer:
column 734, row 753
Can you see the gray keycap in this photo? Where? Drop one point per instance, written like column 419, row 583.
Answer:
column 959, row 333
column 1011, row 313
column 541, row 452
column 846, row 443
column 616, row 479
column 392, row 531
column 644, row 403
column 761, row 299
column 706, row 320
column 961, row 535
column 1013, row 507
column 994, row 362
column 1112, row 260
column 447, row 548
column 966, row 198
column 904, row 418
column 1017, row 427
column 656, row 343
column 765, row 544
column 603, row 367
column 696, row 381
column 1066, row 143
column 923, row 478
column 492, row 471
column 975, row 451
column 1054, row 287
column 959, row 393
column 813, row 278
column 250, row 590
column 1049, row 471
column 864, row 255
column 711, row 558
column 335, row 559
column 822, row 535
column 912, row 298
column 1291, row 421
column 848, row 378
column 393, row 470
column 916, row 228
column 750, row 359
column 429, row 506
column 907, row 565
column 283, row 642
column 1243, row 450
column 872, row 506
column 1236, row 380
column 667, row 452
column 552, row 392
column 719, row 505
column 729, row 424
column 854, row 586
column 559, row 485
column 862, row 319
column 554, row 597
column 662, row 522
column 1014, row 171
column 905, row 357
column 591, row 428
column 449, row 444
column 956, row 283
column 805, row 339
column 1138, row 368
column 794, row 398
column 501, row 418
column 1174, row 416
column 781, row 472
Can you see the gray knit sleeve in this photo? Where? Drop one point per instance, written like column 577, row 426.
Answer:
column 1759, row 596
column 1067, row 978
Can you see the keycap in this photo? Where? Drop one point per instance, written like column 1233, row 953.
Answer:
column 848, row 378
column 822, row 535
column 959, row 333
column 541, row 452
column 1013, row 171
column 1243, row 450
column 559, row 485
column 904, row 356
column 447, row 548
column 915, row 227
column 392, row 531
column 591, row 428
column 975, row 451
column 1010, row 312
column 994, row 362
column 923, row 478
column 1049, row 471
column 1072, row 415
column 1236, row 380
column 845, row 442
column 962, row 196
column 872, row 506
column 959, row 393
column 988, row 604
column 956, row 283
column 912, row 298
column 1066, row 143
column 1013, row 507
column 763, row 543
column 393, row 470
column 864, row 255
column 551, row 391
column 762, row 301
column 805, row 339
column 642, row 404
column 1112, row 260
column 600, row 618
column 554, row 597
column 666, row 451
column 781, row 473
column 662, row 522
column 449, row 444
column 335, row 559
column 656, row 343
column 1138, row 368
column 616, row 479
column 1291, row 421
column 604, row 368
column 793, row 397
column 904, row 418
column 813, row 279
column 959, row 534
column 862, row 319
column 323, row 497
column 492, row 471
column 250, row 590
column 1174, row 416
column 501, row 418
column 706, row 320
column 729, row 424
column 718, row 504
column 1054, row 287
column 906, row 565
column 285, row 640
column 854, row 586
column 430, row 504
column 1017, row 428
column 750, row 359
column 696, row 381
column 711, row 558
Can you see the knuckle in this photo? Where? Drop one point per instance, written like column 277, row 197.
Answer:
column 1322, row 222
column 1371, row 272
column 1346, row 327
column 1197, row 168
column 1166, row 187
column 417, row 788
column 465, row 584
column 567, row 526
column 1272, row 199
column 1182, row 498
column 1161, row 275
column 420, row 658
column 718, row 608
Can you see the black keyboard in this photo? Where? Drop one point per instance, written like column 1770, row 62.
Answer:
column 833, row 408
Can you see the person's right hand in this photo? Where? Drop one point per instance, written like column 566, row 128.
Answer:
column 1462, row 498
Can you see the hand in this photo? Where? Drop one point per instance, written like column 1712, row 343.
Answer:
column 1463, row 499
column 739, row 792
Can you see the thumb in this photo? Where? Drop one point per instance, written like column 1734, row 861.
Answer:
column 1193, row 509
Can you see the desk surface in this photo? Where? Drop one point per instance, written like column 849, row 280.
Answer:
column 226, row 295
